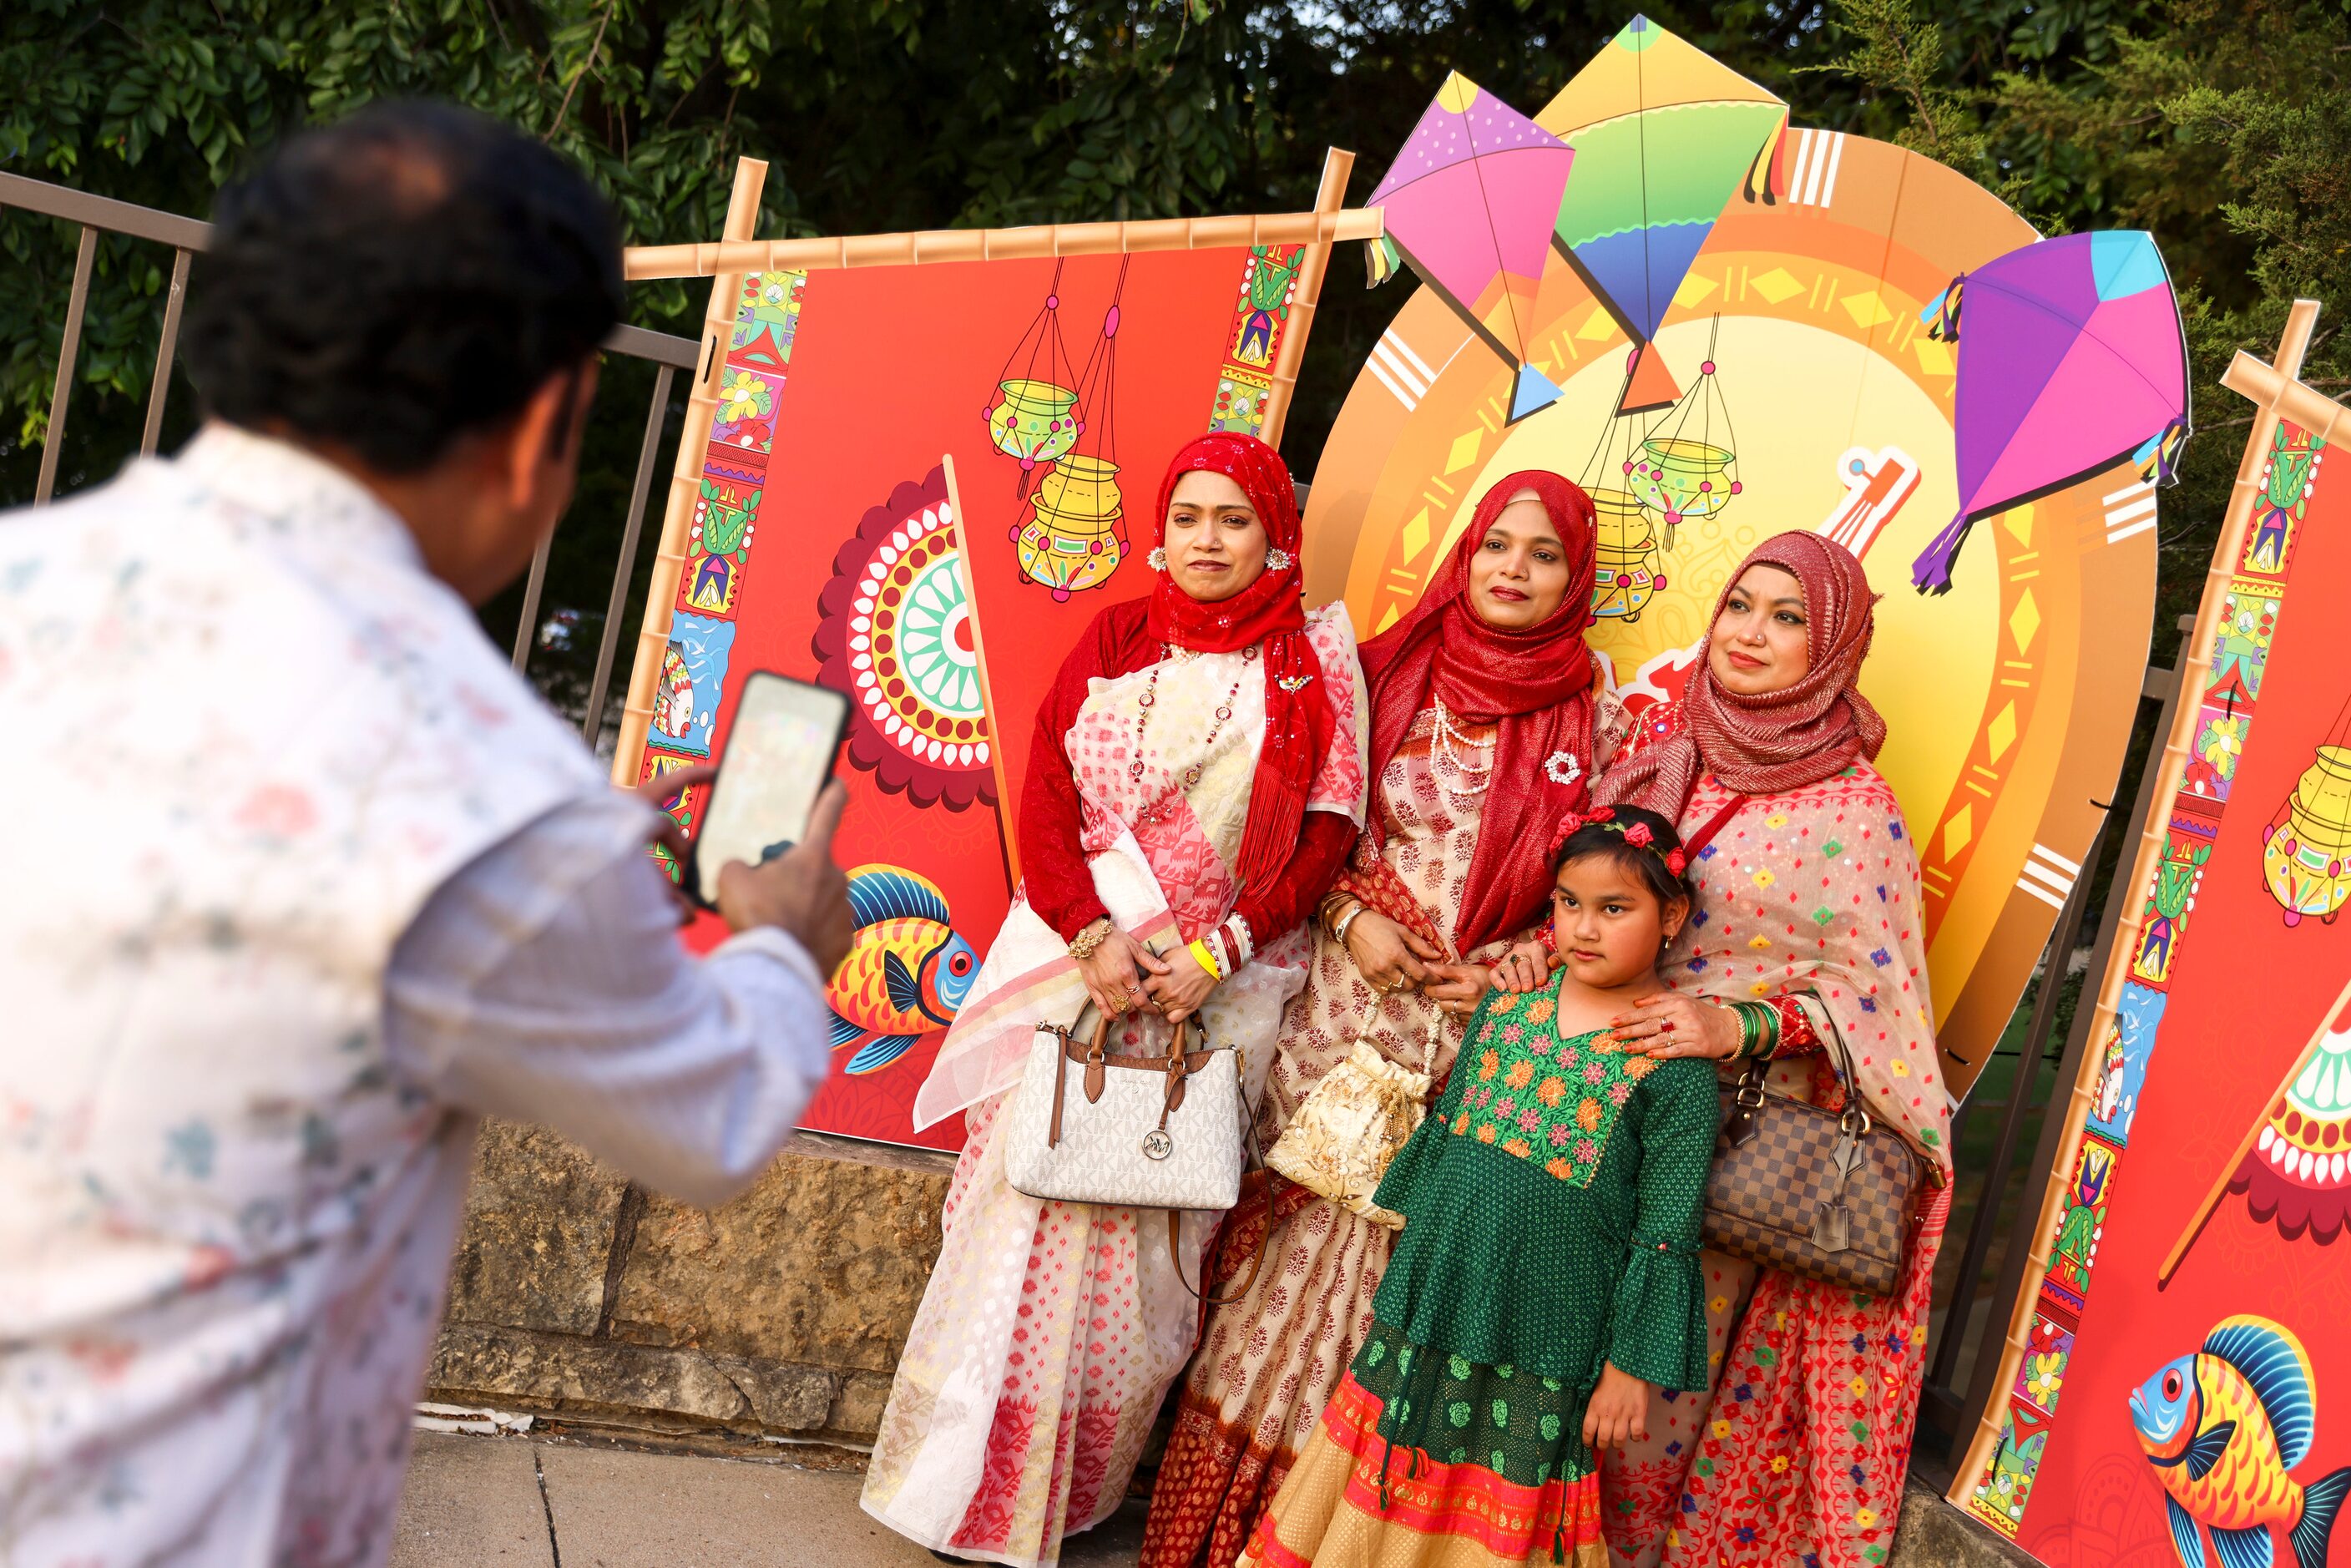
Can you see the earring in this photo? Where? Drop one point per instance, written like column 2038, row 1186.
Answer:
column 1279, row 560
column 1157, row 557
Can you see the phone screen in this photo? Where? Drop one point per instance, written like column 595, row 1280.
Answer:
column 778, row 755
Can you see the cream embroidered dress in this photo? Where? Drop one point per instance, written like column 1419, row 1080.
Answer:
column 1050, row 1330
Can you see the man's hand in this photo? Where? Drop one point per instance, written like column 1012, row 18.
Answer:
column 668, row 834
column 800, row 891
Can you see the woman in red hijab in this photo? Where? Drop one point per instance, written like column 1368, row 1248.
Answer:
column 1195, row 782
column 1488, row 717
column 1808, row 919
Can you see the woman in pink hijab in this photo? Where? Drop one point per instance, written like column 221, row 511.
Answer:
column 1808, row 918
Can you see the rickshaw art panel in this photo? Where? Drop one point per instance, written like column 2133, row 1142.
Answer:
column 827, row 542
column 2198, row 1234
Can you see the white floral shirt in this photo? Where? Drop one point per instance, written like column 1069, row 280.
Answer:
column 306, row 880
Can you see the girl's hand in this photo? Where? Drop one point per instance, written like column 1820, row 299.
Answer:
column 1671, row 1024
column 1391, row 957
column 1114, row 973
column 1457, row 989
column 1181, row 986
column 1618, row 1413
column 1525, row 968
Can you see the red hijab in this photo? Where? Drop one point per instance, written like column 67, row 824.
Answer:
column 1776, row 741
column 1299, row 717
column 1537, row 681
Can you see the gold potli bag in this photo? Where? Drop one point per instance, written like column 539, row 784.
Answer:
column 1350, row 1126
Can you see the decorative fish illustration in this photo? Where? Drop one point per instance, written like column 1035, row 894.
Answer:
column 907, row 972
column 2222, row 1427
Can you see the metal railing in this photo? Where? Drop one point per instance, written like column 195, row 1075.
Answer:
column 185, row 236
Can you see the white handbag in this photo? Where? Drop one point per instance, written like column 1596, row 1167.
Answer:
column 1142, row 1131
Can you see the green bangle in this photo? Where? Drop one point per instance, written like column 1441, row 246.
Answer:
column 1767, row 1031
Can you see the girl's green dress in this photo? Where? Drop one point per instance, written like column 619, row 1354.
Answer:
column 1551, row 1203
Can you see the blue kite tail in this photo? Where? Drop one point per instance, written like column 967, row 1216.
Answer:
column 1931, row 572
column 2322, row 1500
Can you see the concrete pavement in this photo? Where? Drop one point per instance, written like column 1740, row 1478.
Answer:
column 539, row 1502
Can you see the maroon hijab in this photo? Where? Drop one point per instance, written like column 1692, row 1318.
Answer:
column 1299, row 717
column 1537, row 681
column 1777, row 741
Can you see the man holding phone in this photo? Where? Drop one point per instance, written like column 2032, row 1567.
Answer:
column 327, row 881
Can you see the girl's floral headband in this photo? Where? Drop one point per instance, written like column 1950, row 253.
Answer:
column 1637, row 834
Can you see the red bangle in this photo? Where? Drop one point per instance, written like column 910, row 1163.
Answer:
column 1796, row 1032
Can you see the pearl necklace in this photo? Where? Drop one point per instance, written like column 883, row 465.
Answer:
column 1150, row 699
column 1445, row 753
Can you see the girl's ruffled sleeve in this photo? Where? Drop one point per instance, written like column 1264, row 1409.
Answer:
column 1658, row 1327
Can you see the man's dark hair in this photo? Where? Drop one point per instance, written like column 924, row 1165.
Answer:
column 408, row 275
column 1643, row 863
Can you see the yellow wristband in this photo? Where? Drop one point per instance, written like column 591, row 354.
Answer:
column 1206, row 955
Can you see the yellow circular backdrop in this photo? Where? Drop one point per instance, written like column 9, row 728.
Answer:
column 2009, row 699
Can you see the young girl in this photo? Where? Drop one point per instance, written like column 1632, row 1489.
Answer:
column 1547, row 1276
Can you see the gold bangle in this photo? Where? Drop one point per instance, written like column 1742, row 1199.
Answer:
column 1086, row 943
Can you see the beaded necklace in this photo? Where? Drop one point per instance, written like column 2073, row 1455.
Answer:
column 1445, row 751
column 1150, row 699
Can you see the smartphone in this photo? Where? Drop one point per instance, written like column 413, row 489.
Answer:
column 779, row 758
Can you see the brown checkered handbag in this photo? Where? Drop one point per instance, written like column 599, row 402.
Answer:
column 1812, row 1192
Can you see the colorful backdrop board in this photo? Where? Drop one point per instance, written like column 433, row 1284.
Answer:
column 898, row 456
column 1745, row 328
column 2171, row 1369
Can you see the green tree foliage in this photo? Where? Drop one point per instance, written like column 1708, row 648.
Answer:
column 2222, row 125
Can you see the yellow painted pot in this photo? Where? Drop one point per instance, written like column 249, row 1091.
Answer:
column 1625, row 577
column 1035, row 422
column 1680, row 481
column 2307, row 859
column 1073, row 540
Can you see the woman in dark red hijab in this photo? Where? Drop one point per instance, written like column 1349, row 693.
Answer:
column 1485, row 709
column 1196, row 782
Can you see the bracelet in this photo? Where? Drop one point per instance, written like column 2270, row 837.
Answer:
column 1086, row 943
column 1759, row 1031
column 1240, row 943
column 1336, row 907
column 1339, row 934
column 1206, row 956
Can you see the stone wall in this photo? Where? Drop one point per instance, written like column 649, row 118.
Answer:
column 579, row 1295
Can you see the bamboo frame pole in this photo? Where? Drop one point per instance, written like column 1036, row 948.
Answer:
column 740, row 254
column 2185, row 714
column 685, row 480
column 1329, row 199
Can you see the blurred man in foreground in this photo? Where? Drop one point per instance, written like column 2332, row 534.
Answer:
column 324, row 881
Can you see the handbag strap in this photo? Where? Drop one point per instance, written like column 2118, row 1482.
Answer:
column 1175, row 1258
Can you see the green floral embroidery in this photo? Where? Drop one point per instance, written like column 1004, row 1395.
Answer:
column 1504, row 1371
column 1377, row 1351
column 1502, row 1414
column 1549, row 1425
column 1459, row 1368
column 1456, row 1456
column 1458, row 1413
